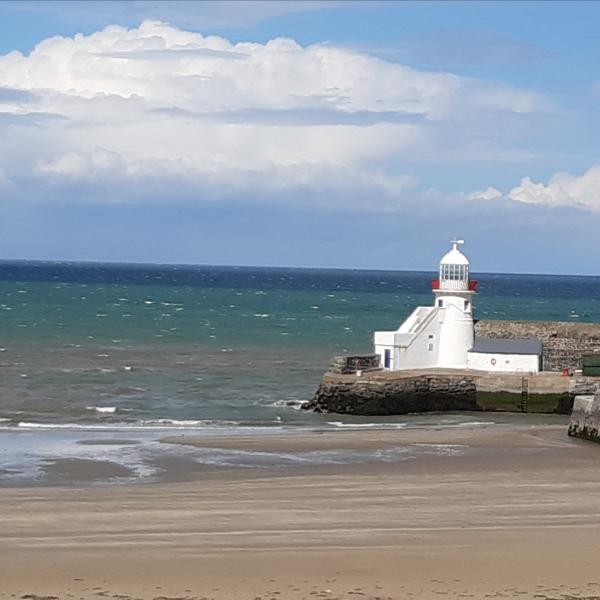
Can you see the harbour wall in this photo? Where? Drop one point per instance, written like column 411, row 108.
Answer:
column 394, row 396
column 564, row 343
column 585, row 418
column 427, row 390
column 356, row 384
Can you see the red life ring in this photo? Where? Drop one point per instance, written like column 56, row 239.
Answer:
column 493, row 361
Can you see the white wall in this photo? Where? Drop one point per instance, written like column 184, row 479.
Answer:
column 432, row 336
column 504, row 363
column 423, row 349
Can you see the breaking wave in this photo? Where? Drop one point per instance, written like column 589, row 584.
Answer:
column 103, row 409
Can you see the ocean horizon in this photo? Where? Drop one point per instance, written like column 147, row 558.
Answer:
column 167, row 264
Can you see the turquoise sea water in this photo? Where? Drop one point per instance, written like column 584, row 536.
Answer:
column 218, row 349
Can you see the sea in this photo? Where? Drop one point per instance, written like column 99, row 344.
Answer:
column 92, row 352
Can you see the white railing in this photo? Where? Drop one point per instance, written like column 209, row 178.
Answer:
column 453, row 284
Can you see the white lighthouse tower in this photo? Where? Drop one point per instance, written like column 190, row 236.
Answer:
column 438, row 336
column 454, row 292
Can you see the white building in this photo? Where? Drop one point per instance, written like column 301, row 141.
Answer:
column 505, row 355
column 443, row 335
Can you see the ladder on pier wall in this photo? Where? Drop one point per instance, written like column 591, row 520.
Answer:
column 524, row 394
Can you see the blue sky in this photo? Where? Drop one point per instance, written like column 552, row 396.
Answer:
column 340, row 134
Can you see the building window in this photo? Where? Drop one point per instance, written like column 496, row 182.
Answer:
column 430, row 336
column 440, row 303
column 430, row 347
column 467, row 304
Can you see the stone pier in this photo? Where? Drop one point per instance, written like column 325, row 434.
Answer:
column 585, row 418
column 357, row 384
column 381, row 392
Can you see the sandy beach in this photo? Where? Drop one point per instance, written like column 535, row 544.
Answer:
column 514, row 514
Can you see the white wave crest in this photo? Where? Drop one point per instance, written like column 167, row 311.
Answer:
column 469, row 424
column 366, row 425
column 179, row 422
column 103, row 409
column 188, row 423
column 295, row 404
column 33, row 425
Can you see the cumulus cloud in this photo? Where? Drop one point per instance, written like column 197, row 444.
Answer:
column 158, row 102
column 165, row 66
column 562, row 189
column 490, row 193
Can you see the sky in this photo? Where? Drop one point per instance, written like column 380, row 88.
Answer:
column 318, row 134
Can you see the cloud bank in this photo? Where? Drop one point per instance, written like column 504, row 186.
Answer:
column 164, row 109
column 562, row 189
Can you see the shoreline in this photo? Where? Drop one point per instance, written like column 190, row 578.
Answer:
column 72, row 457
column 516, row 516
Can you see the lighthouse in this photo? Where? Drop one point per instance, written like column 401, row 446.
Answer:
column 442, row 336
column 438, row 336
column 454, row 293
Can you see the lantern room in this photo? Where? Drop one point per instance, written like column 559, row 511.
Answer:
column 454, row 271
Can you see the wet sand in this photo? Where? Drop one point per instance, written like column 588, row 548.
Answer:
column 514, row 515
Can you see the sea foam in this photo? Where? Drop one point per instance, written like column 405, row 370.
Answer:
column 295, row 404
column 366, row 425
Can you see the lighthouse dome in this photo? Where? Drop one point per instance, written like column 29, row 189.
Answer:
column 454, row 269
column 455, row 256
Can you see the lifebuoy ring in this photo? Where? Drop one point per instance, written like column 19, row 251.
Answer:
column 493, row 361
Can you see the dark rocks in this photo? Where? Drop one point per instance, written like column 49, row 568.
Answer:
column 411, row 394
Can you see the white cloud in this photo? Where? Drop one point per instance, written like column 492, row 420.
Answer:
column 168, row 67
column 160, row 102
column 79, row 164
column 562, row 189
column 488, row 194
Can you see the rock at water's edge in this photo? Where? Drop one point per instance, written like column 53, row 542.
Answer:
column 415, row 394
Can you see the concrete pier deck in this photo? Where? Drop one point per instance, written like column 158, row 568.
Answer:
column 544, row 382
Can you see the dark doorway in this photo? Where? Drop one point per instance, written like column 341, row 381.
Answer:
column 387, row 358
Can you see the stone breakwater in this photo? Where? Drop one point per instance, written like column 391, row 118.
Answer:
column 585, row 418
column 401, row 392
column 378, row 392
column 397, row 396
column 563, row 343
